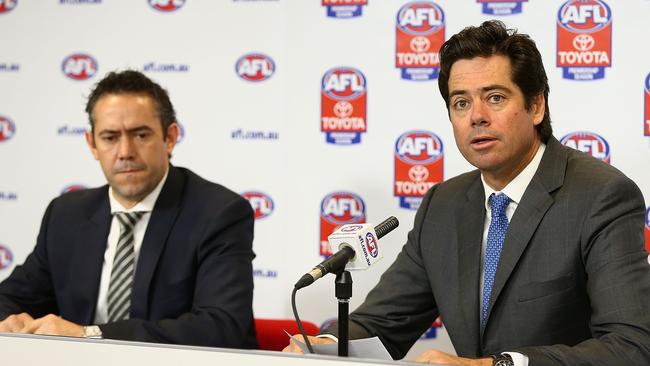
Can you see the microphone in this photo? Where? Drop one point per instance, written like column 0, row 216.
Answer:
column 355, row 248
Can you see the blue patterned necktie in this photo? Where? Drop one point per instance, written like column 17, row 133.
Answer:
column 496, row 235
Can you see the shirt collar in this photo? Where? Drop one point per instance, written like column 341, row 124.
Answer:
column 146, row 205
column 516, row 188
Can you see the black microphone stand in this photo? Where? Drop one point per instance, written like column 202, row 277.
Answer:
column 343, row 292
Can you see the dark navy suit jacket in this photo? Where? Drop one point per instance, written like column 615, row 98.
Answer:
column 193, row 282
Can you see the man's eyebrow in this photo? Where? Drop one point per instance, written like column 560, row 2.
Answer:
column 483, row 89
column 495, row 87
column 130, row 130
column 457, row 92
column 139, row 129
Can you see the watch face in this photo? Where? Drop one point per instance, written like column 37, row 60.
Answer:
column 503, row 360
column 92, row 331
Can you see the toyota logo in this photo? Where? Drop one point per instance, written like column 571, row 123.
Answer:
column 343, row 109
column 418, row 173
column 583, row 42
column 420, row 44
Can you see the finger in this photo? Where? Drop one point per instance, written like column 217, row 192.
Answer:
column 421, row 358
column 13, row 323
column 4, row 326
column 24, row 317
column 429, row 356
column 321, row 340
column 30, row 327
column 292, row 348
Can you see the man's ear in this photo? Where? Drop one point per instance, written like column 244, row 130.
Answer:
column 90, row 140
column 171, row 136
column 538, row 108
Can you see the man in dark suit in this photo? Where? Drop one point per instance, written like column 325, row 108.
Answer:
column 159, row 254
column 537, row 257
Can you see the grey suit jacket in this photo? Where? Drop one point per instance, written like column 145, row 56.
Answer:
column 573, row 283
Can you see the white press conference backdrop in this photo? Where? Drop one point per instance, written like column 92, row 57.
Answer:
column 319, row 112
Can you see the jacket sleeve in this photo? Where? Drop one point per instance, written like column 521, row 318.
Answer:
column 29, row 287
column 402, row 305
column 618, row 284
column 221, row 309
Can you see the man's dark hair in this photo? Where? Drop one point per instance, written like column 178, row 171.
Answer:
column 493, row 38
column 133, row 82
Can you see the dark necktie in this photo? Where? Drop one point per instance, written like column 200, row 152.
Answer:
column 119, row 290
column 496, row 235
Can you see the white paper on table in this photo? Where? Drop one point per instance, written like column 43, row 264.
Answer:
column 361, row 348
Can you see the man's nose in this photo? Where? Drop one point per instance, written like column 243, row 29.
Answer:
column 479, row 116
column 126, row 148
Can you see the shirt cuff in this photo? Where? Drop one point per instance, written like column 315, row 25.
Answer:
column 335, row 339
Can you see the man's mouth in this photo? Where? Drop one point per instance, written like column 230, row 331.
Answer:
column 482, row 140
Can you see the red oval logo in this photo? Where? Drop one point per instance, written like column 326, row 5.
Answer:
column 419, row 147
column 7, row 5
column 343, row 83
column 584, row 16
column 7, row 129
column 255, row 67
column 588, row 142
column 79, row 66
column 371, row 245
column 166, row 6
column 6, row 258
column 420, row 18
column 261, row 202
column 340, row 208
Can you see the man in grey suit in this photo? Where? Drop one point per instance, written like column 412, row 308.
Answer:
column 535, row 258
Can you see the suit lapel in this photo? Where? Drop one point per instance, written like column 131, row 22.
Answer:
column 155, row 238
column 533, row 206
column 90, row 257
column 472, row 216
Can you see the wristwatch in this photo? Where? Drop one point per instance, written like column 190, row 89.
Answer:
column 502, row 359
column 92, row 332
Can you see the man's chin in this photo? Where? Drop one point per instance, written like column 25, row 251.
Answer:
column 131, row 193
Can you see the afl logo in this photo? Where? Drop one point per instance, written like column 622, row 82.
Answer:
column 255, row 67
column 344, row 83
column 420, row 18
column 371, row 245
column 5, row 7
column 588, row 142
column 73, row 188
column 166, row 5
column 7, row 129
column 262, row 203
column 79, row 66
column 418, row 147
column 340, row 208
column 5, row 257
column 584, row 16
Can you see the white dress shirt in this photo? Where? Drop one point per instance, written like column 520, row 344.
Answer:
column 515, row 190
column 146, row 206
